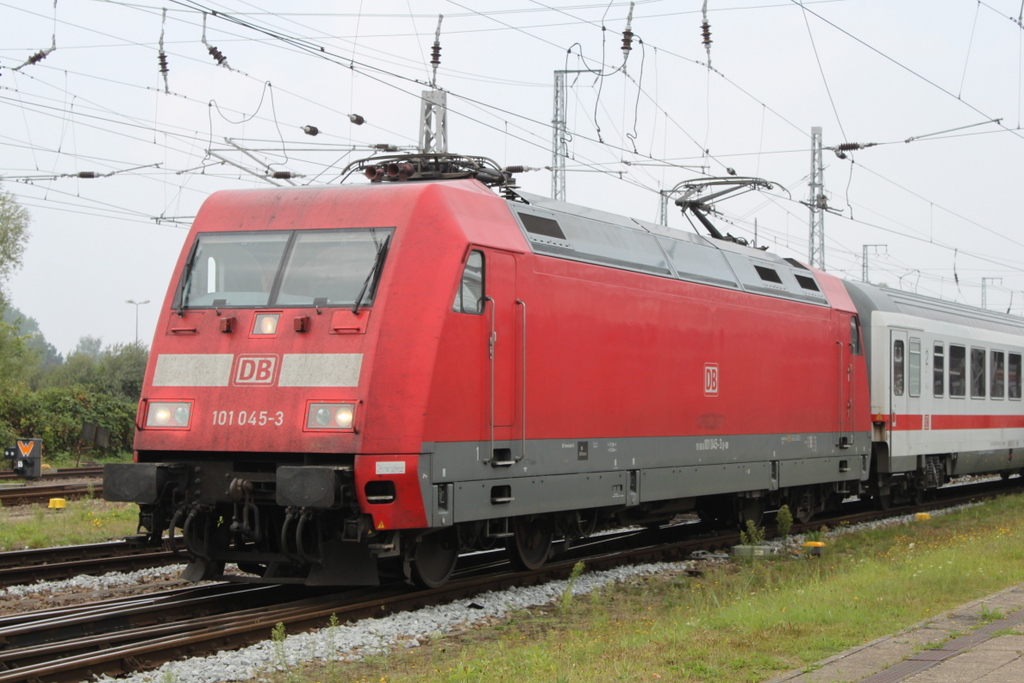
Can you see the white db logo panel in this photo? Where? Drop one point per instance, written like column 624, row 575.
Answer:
column 711, row 379
column 250, row 370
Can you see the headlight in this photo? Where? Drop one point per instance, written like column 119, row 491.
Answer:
column 330, row 416
column 265, row 323
column 174, row 415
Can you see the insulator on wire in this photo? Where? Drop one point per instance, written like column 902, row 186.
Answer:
column 356, row 119
column 311, row 130
column 87, row 174
column 435, row 51
column 39, row 56
column 627, row 35
column 705, row 32
column 161, row 55
column 515, row 169
column 282, row 175
column 217, row 55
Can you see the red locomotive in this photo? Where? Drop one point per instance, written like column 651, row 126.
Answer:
column 355, row 380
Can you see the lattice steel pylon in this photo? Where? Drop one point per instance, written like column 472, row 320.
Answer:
column 817, row 204
column 434, row 122
column 559, row 144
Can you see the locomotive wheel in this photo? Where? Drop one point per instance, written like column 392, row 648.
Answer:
column 752, row 510
column 530, row 544
column 435, row 557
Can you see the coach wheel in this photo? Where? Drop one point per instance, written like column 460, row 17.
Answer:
column 918, row 495
column 435, row 557
column 530, row 544
column 884, row 501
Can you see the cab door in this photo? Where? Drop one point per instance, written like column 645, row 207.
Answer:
column 503, row 343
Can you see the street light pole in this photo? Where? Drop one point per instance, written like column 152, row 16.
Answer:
column 136, row 304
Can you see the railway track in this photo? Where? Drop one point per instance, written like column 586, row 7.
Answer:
column 88, row 471
column 52, row 564
column 35, row 495
column 120, row 636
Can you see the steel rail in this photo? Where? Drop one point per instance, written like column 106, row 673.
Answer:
column 146, row 645
column 31, row 495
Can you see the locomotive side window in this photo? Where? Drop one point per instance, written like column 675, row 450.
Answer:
column 938, row 370
column 1014, row 376
column 957, row 370
column 854, row 336
column 897, row 367
column 998, row 377
column 470, row 296
column 977, row 373
column 914, row 369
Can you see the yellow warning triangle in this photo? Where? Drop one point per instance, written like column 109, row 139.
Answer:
column 380, row 525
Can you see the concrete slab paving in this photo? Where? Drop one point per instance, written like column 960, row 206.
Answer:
column 969, row 644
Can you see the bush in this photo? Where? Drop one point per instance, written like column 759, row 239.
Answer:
column 56, row 416
column 784, row 520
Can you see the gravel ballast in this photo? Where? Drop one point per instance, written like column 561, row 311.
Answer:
column 351, row 642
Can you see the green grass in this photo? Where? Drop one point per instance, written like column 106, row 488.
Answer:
column 82, row 521
column 741, row 623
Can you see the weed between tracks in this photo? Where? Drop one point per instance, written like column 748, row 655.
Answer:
column 82, row 521
column 743, row 623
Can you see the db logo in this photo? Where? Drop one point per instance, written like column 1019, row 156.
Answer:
column 711, row 379
column 255, row 369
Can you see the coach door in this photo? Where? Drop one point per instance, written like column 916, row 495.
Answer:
column 503, row 341
column 898, row 391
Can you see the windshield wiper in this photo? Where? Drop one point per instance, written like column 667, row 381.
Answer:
column 382, row 250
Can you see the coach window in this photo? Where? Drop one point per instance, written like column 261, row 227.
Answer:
column 897, row 367
column 1013, row 376
column 998, row 376
column 938, row 370
column 957, row 370
column 470, row 297
column 914, row 369
column 977, row 373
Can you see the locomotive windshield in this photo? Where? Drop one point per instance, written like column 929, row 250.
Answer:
column 288, row 269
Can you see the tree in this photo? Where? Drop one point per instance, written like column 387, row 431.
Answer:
column 89, row 346
column 29, row 328
column 14, row 220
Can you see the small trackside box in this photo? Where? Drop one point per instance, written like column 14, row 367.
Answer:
column 142, row 483
column 312, row 487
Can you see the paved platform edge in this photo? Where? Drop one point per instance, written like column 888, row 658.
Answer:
column 960, row 622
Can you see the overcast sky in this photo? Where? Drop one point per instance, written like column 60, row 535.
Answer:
column 941, row 189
